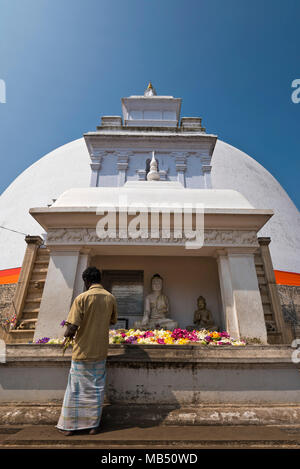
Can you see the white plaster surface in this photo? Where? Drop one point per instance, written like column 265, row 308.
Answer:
column 58, row 294
column 234, row 169
column 152, row 192
column 69, row 167
column 246, row 296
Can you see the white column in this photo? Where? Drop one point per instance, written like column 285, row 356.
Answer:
column 58, row 293
column 207, row 176
column 246, row 295
column 229, row 310
column 83, row 263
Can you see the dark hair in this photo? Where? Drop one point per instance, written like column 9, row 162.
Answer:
column 156, row 276
column 92, row 275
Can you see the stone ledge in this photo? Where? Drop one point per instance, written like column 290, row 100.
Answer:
column 159, row 355
column 18, row 413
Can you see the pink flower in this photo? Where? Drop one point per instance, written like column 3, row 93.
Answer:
column 161, row 341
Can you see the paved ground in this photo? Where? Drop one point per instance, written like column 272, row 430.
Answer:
column 160, row 437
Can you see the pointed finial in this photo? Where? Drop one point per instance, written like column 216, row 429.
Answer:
column 150, row 90
column 153, row 174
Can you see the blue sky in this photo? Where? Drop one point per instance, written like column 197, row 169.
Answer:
column 67, row 62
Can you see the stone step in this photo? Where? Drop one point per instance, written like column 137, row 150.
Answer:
column 21, row 336
column 38, row 276
column 42, row 261
column 262, row 280
column 35, row 288
column 43, row 257
column 31, row 310
column 27, row 321
column 265, row 300
column 155, row 436
column 29, row 315
column 37, row 269
column 33, row 300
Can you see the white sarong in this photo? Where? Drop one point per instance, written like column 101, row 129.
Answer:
column 84, row 396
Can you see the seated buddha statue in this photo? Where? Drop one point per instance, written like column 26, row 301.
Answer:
column 202, row 317
column 156, row 308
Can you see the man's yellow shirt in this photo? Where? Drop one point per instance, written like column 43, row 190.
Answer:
column 93, row 312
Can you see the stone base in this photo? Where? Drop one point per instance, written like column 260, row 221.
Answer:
column 18, row 413
column 160, row 385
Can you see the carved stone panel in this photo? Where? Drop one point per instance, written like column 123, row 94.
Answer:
column 86, row 236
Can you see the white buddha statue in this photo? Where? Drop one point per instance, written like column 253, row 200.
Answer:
column 156, row 308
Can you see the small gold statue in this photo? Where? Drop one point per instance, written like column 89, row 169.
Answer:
column 202, row 317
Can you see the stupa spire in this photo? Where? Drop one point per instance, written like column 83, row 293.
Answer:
column 150, row 90
column 153, row 174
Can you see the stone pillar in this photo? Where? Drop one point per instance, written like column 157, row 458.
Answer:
column 246, row 294
column 83, row 263
column 33, row 244
column 58, row 292
column 229, row 310
column 242, row 306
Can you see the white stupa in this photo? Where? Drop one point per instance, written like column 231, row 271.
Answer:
column 69, row 166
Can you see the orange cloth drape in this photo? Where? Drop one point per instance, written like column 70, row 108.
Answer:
column 282, row 278
column 9, row 275
column 287, row 278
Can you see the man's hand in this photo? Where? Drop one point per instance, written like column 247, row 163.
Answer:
column 71, row 330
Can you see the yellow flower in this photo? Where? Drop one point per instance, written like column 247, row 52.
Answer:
column 169, row 340
column 183, row 341
column 215, row 335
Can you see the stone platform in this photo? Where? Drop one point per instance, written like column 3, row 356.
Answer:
column 167, row 385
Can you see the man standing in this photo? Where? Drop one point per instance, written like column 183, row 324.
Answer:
column 90, row 316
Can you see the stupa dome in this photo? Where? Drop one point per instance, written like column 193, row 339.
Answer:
column 68, row 167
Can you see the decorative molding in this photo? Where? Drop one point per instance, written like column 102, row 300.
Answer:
column 141, row 174
column 95, row 164
column 122, row 162
column 122, row 165
column 163, row 173
column 87, row 236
